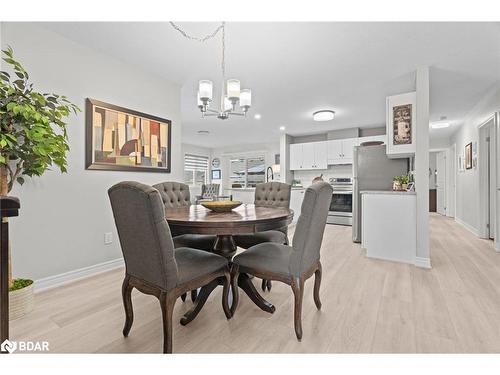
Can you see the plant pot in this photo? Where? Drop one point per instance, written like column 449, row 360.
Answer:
column 21, row 302
column 396, row 186
column 404, row 187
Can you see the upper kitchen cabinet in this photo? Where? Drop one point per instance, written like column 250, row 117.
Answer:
column 340, row 151
column 401, row 123
column 308, row 156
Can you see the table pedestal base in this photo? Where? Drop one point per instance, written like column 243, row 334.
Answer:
column 225, row 246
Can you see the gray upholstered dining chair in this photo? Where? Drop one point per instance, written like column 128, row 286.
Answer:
column 151, row 264
column 174, row 195
column 294, row 264
column 208, row 191
column 269, row 194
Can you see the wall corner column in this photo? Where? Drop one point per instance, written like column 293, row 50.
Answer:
column 422, row 167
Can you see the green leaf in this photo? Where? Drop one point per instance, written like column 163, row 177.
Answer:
column 20, row 180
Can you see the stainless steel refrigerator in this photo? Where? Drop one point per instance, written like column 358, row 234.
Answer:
column 372, row 170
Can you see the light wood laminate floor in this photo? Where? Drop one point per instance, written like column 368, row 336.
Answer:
column 368, row 306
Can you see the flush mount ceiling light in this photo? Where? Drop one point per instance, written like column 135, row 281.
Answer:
column 282, row 128
column 323, row 115
column 257, row 116
column 439, row 125
column 231, row 93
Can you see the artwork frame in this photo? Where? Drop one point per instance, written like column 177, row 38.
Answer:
column 159, row 144
column 468, row 156
column 401, row 122
column 216, row 174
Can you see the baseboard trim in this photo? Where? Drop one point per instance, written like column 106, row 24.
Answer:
column 470, row 228
column 423, row 262
column 68, row 277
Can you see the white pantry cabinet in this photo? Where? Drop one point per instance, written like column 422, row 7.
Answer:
column 308, row 156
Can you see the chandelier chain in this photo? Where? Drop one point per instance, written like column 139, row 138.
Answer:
column 221, row 27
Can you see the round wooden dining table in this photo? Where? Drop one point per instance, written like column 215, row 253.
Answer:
column 247, row 218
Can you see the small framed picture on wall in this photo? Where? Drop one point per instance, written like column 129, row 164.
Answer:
column 216, row 175
column 468, row 156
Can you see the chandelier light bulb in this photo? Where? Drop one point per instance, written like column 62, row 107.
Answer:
column 205, row 90
column 246, row 98
column 227, row 104
column 233, row 90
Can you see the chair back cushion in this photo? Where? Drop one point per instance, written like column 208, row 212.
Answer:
column 210, row 190
column 174, row 194
column 144, row 234
column 273, row 194
column 310, row 227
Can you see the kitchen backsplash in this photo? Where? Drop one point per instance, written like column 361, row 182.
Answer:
column 306, row 177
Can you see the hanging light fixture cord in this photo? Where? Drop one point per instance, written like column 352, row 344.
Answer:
column 221, row 27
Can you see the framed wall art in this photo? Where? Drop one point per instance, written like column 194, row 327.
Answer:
column 468, row 156
column 121, row 139
column 400, row 124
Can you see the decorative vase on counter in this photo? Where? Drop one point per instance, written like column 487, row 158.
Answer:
column 396, row 186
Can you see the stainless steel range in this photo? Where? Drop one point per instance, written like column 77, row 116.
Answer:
column 340, row 211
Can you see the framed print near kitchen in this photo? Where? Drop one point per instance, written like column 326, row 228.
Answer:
column 468, row 156
column 121, row 139
column 400, row 124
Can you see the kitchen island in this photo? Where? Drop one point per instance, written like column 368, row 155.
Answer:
column 388, row 227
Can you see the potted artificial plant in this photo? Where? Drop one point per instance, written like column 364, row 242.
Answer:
column 400, row 183
column 32, row 139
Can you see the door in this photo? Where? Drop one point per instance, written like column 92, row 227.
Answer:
column 441, row 182
column 347, row 149
column 334, row 151
column 295, row 156
column 320, row 155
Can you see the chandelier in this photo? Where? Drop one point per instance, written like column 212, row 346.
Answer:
column 231, row 95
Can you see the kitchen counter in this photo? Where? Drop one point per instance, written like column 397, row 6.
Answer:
column 388, row 225
column 387, row 192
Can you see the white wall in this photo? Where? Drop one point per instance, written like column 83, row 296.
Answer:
column 467, row 208
column 63, row 218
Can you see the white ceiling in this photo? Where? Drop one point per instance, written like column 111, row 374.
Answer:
column 296, row 68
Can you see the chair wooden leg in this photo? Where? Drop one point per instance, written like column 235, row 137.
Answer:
column 269, row 285
column 127, row 304
column 183, row 297
column 194, row 294
column 264, row 285
column 234, row 287
column 225, row 295
column 167, row 307
column 298, row 293
column 317, row 284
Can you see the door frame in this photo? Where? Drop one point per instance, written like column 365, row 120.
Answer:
column 483, row 170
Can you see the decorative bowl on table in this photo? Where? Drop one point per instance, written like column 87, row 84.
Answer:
column 221, row 206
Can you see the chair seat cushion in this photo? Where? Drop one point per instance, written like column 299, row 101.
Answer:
column 194, row 263
column 246, row 241
column 266, row 257
column 195, row 241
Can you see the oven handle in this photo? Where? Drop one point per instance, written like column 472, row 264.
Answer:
column 345, row 192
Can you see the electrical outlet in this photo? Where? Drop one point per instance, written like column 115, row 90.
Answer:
column 108, row 238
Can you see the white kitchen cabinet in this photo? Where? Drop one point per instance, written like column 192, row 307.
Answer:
column 296, row 198
column 296, row 156
column 340, row 151
column 388, row 225
column 308, row 156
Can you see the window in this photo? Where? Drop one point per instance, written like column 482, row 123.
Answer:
column 195, row 169
column 247, row 171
